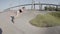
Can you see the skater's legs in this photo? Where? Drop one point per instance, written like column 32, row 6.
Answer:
column 12, row 19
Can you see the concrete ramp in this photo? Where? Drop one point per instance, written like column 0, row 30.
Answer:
column 22, row 25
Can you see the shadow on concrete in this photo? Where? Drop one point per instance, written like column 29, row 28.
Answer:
column 0, row 31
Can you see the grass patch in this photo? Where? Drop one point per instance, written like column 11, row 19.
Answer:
column 55, row 14
column 46, row 20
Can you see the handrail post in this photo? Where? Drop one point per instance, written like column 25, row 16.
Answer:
column 40, row 6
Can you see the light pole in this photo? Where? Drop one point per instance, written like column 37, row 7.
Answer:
column 40, row 6
column 33, row 5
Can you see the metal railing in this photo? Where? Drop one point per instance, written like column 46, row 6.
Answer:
column 40, row 4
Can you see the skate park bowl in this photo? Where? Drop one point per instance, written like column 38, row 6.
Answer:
column 22, row 23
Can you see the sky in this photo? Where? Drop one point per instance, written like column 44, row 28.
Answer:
column 4, row 4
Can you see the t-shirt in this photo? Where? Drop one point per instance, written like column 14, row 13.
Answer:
column 20, row 11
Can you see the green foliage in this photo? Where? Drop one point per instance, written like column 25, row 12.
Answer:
column 46, row 8
column 57, row 9
column 45, row 21
column 52, row 8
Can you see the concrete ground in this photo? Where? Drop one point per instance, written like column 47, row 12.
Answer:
column 22, row 25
